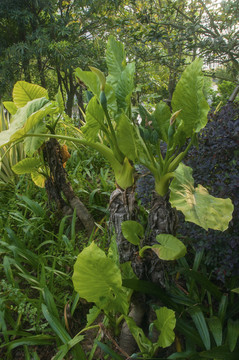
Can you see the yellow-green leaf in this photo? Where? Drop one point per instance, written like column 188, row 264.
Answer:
column 197, row 205
column 23, row 92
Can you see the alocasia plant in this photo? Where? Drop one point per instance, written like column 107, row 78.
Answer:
column 110, row 128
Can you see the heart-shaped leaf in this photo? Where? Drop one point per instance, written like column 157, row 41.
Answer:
column 23, row 92
column 132, row 231
column 165, row 323
column 98, row 279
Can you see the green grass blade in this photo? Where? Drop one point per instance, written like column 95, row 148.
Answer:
column 31, row 341
column 8, row 270
column 188, row 331
column 56, row 326
column 50, row 303
column 221, row 352
column 108, row 351
column 204, row 282
column 232, row 333
column 201, row 325
column 223, row 307
column 215, row 327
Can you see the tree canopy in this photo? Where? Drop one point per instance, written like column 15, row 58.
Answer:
column 45, row 41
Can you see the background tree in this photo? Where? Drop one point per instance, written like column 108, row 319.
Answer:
column 172, row 33
column 44, row 41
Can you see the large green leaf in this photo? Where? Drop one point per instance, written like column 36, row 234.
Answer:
column 32, row 143
column 111, row 98
column 160, row 118
column 165, row 323
column 26, row 166
column 188, row 97
column 90, row 79
column 125, row 86
column 126, row 137
column 98, row 279
column 100, row 75
column 132, row 231
column 10, row 106
column 19, row 119
column 115, row 58
column 196, row 204
column 48, row 109
column 23, row 92
column 94, row 120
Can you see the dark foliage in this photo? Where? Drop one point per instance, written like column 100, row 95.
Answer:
column 216, row 166
column 144, row 186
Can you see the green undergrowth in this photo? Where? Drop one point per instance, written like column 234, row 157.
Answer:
column 38, row 248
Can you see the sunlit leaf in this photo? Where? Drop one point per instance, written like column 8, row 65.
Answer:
column 160, row 119
column 94, row 120
column 126, row 137
column 90, row 79
column 10, row 106
column 26, row 166
column 100, row 75
column 60, row 101
column 125, row 86
column 170, row 249
column 196, row 203
column 165, row 323
column 97, row 279
column 115, row 58
column 23, row 92
column 19, row 119
column 38, row 179
column 189, row 97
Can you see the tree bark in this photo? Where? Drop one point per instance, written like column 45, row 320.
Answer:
column 122, row 207
column 162, row 219
column 57, row 184
column 234, row 94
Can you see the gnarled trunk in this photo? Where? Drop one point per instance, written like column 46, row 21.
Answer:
column 57, row 184
column 162, row 219
column 122, row 207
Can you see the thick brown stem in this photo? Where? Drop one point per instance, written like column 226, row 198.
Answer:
column 123, row 206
